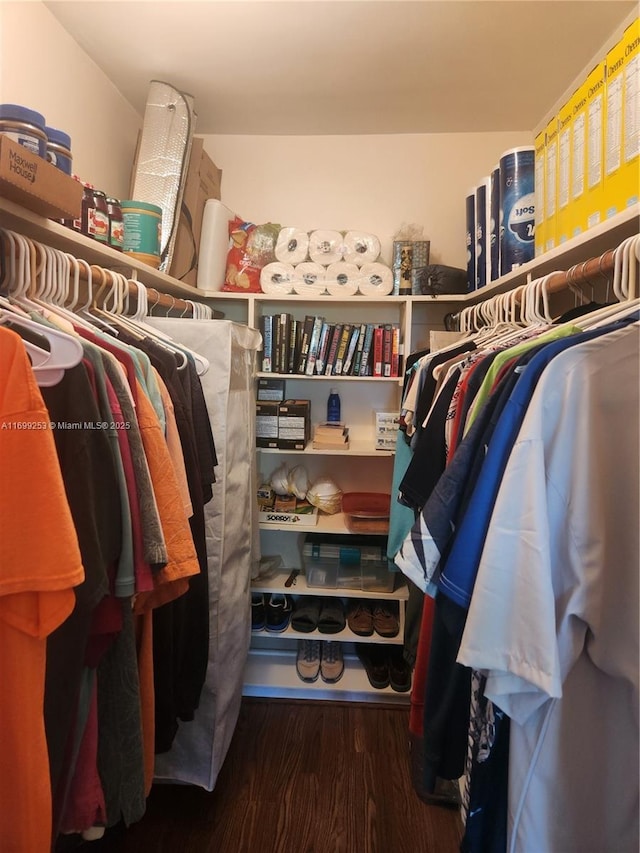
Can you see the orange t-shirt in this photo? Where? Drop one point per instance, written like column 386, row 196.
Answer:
column 39, row 564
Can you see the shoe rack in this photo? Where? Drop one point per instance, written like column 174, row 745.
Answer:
column 271, row 667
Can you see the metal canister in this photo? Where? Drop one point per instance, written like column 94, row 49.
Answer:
column 59, row 149
column 402, row 266
column 24, row 126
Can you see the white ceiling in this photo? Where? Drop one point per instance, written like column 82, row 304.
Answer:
column 348, row 66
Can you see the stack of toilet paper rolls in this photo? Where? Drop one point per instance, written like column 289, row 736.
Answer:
column 327, row 262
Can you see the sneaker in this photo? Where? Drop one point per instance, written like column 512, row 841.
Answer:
column 277, row 613
column 308, row 660
column 399, row 670
column 332, row 663
column 385, row 619
column 257, row 611
column 375, row 660
column 360, row 618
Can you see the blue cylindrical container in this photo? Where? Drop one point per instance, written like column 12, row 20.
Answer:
column 470, row 208
column 481, row 235
column 59, row 149
column 518, row 205
column 24, row 126
column 494, row 223
column 333, row 407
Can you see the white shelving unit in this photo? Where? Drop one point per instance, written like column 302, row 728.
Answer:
column 271, row 667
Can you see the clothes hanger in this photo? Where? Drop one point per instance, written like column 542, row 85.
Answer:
column 202, row 364
column 625, row 304
column 61, row 351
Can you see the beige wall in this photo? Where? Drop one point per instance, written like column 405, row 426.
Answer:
column 43, row 68
column 370, row 183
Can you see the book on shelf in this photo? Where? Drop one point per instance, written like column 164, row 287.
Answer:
column 266, row 329
column 307, row 329
column 378, row 333
column 325, row 338
column 387, row 339
column 333, row 349
column 294, row 337
column 351, row 350
column 358, row 354
column 330, row 436
column 395, row 351
column 283, row 353
column 314, row 343
column 342, row 348
column 365, row 369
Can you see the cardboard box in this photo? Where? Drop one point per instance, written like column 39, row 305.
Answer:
column 541, row 213
column 551, row 183
column 32, row 182
column 294, row 424
column 593, row 205
column 202, row 183
column 620, row 188
column 386, row 430
column 271, row 389
column 267, row 423
column 563, row 212
column 578, row 160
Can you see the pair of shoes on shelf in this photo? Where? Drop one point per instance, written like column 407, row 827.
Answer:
column 385, row 665
column 316, row 658
column 365, row 617
column 312, row 613
column 272, row 612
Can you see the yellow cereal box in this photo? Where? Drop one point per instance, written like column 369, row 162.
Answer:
column 551, row 183
column 621, row 122
column 563, row 223
column 541, row 217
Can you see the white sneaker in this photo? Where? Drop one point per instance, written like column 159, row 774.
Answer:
column 332, row 665
column 308, row 660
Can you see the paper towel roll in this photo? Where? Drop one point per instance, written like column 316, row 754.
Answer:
column 360, row 248
column 375, row 280
column 276, row 278
column 342, row 279
column 308, row 279
column 292, row 246
column 214, row 245
column 325, row 247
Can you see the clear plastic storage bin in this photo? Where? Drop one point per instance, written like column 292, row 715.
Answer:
column 347, row 562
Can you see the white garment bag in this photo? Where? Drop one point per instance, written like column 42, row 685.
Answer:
column 233, row 543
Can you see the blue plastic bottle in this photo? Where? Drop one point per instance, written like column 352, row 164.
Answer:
column 333, row 407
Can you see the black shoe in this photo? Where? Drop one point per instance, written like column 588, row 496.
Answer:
column 375, row 661
column 399, row 670
column 332, row 619
column 306, row 612
column 277, row 613
column 257, row 611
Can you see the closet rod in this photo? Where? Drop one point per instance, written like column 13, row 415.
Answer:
column 598, row 267
column 157, row 299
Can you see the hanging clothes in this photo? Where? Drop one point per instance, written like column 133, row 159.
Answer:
column 40, row 564
column 446, row 542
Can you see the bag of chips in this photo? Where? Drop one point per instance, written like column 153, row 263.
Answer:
column 251, row 247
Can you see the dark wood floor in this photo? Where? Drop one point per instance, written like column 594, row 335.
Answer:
column 300, row 777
